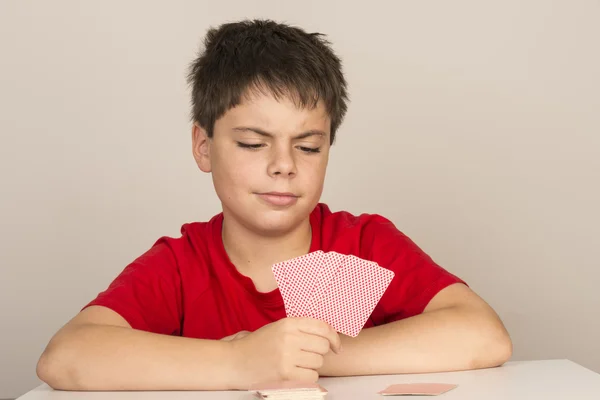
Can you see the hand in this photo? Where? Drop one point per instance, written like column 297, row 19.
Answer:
column 288, row 349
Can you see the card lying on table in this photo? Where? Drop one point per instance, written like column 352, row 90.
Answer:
column 339, row 289
column 289, row 390
column 416, row 389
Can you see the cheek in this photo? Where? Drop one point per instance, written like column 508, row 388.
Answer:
column 234, row 171
column 315, row 174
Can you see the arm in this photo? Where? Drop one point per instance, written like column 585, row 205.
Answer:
column 456, row 331
column 98, row 350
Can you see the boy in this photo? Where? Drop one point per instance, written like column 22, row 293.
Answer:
column 203, row 311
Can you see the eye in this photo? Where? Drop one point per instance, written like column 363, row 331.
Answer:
column 249, row 146
column 310, row 149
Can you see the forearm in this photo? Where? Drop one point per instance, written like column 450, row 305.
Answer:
column 101, row 357
column 448, row 339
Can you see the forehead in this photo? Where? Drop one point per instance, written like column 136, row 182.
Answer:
column 278, row 113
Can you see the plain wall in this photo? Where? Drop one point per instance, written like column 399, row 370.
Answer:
column 474, row 126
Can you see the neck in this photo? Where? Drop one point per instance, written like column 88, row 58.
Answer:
column 249, row 250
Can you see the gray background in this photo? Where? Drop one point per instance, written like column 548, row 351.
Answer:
column 485, row 115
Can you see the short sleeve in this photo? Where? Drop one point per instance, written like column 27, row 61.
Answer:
column 417, row 278
column 147, row 293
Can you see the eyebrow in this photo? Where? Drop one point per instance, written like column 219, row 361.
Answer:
column 303, row 135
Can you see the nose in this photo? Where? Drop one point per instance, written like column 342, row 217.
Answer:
column 282, row 162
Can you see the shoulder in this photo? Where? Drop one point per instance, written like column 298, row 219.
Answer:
column 347, row 219
column 186, row 255
column 194, row 238
column 362, row 231
column 370, row 236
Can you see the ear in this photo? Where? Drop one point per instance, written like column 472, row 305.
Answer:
column 201, row 147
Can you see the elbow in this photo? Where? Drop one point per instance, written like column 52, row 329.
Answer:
column 46, row 370
column 495, row 349
column 55, row 369
column 501, row 350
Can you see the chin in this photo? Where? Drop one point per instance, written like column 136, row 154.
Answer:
column 277, row 222
column 275, row 225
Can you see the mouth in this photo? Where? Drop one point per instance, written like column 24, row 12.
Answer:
column 283, row 194
column 279, row 198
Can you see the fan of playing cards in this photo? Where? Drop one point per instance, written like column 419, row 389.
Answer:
column 339, row 289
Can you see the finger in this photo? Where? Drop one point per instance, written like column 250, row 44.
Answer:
column 320, row 328
column 309, row 360
column 304, row 375
column 313, row 343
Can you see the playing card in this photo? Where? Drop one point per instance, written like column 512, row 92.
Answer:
column 413, row 389
column 297, row 279
column 280, row 276
column 302, row 395
column 285, row 385
column 302, row 276
column 289, row 390
column 332, row 261
column 355, row 290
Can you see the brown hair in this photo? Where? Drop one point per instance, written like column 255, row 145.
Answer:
column 265, row 55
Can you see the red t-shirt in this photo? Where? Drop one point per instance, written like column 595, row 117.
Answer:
column 187, row 286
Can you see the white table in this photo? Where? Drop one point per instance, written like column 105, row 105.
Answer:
column 539, row 380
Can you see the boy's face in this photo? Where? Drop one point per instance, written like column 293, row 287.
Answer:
column 268, row 160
